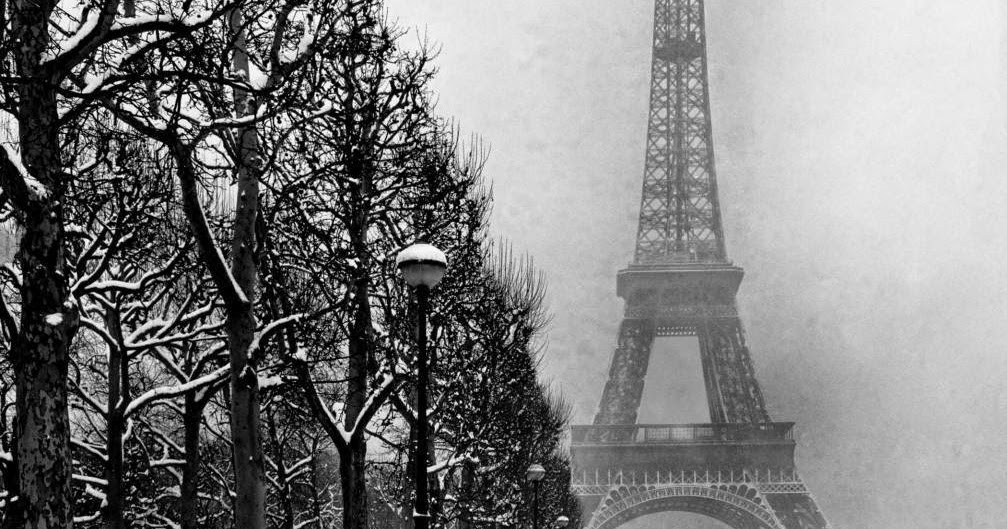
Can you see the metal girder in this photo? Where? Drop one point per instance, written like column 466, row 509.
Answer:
column 679, row 208
column 741, row 511
column 742, row 501
column 733, row 392
column 621, row 397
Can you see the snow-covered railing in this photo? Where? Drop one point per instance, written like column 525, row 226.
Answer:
column 680, row 433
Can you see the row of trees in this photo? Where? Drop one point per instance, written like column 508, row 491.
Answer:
column 202, row 325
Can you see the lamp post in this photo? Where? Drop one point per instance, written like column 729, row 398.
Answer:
column 535, row 474
column 422, row 266
column 562, row 521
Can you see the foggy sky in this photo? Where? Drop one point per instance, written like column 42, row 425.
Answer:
column 861, row 150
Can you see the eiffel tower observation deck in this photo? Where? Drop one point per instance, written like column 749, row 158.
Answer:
column 738, row 467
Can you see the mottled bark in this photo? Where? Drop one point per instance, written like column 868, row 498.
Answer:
column 48, row 319
column 40, row 351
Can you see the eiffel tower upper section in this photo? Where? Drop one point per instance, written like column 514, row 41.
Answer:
column 681, row 282
column 680, row 210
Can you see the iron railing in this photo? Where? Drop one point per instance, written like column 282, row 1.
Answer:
column 599, row 481
column 680, row 433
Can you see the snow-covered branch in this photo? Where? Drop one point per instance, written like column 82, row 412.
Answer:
column 174, row 391
column 16, row 182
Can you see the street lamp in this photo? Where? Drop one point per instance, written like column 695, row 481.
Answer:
column 535, row 474
column 422, row 266
column 562, row 522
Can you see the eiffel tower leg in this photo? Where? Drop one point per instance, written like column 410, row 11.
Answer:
column 797, row 511
column 732, row 388
column 620, row 400
column 711, row 375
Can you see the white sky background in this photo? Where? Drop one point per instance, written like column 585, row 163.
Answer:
column 861, row 148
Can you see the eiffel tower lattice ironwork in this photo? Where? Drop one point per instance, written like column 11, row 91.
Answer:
column 740, row 467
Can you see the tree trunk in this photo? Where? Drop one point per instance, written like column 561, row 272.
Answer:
column 465, row 493
column 48, row 320
column 249, row 470
column 118, row 397
column 316, row 500
column 239, row 327
column 12, row 514
column 188, row 500
column 352, row 459
column 352, row 477
column 281, row 475
column 41, row 358
column 359, row 365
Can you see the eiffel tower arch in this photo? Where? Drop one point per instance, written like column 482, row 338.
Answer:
column 738, row 468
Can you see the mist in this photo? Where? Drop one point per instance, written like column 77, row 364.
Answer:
column 860, row 149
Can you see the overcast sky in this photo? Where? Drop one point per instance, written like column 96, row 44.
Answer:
column 861, row 150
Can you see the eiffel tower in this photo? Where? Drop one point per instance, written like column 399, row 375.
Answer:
column 738, row 467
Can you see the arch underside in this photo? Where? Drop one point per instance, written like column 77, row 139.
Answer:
column 733, row 510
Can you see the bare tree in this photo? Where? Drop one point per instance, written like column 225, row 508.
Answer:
column 343, row 202
column 206, row 113
column 143, row 305
column 50, row 53
column 306, row 153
